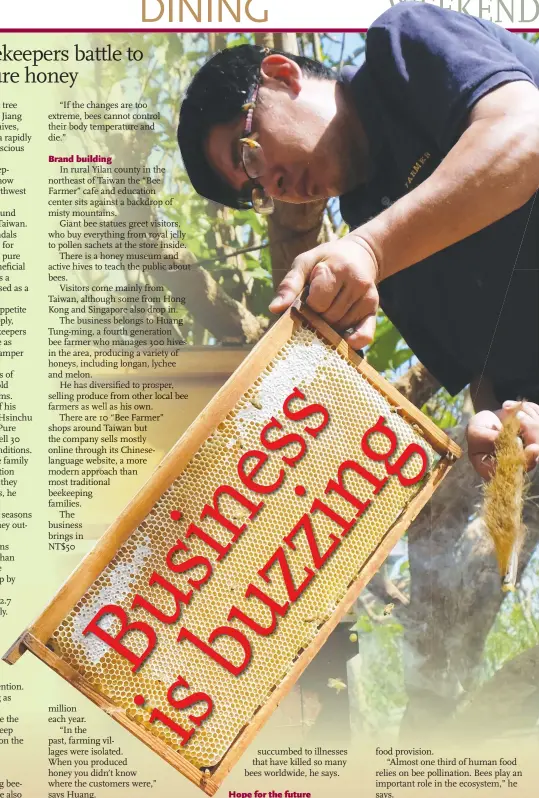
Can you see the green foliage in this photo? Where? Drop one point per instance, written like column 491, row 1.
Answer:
column 388, row 351
column 444, row 409
column 380, row 671
column 516, row 627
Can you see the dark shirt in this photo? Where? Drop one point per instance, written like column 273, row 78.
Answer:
column 472, row 308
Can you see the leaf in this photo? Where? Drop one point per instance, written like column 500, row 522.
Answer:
column 363, row 624
column 383, row 349
column 400, row 357
column 257, row 271
column 250, row 218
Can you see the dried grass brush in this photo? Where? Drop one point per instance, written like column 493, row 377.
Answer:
column 503, row 500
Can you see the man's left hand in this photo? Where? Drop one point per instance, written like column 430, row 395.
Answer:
column 342, row 277
column 485, row 427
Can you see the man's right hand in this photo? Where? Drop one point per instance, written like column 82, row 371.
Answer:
column 342, row 277
column 484, row 428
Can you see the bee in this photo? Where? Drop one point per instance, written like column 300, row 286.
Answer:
column 336, row 684
column 204, row 778
column 256, row 403
column 388, row 609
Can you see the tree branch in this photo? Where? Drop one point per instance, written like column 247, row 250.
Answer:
column 417, row 385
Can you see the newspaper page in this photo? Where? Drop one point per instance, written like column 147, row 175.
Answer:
column 137, row 266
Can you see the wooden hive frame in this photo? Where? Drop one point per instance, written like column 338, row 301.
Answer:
column 36, row 637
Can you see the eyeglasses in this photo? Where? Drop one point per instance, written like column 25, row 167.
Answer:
column 253, row 159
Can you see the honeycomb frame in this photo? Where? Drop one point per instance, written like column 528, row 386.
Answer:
column 301, row 351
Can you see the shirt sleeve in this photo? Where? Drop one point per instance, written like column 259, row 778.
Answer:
column 434, row 65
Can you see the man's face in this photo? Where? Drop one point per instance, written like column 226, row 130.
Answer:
column 304, row 139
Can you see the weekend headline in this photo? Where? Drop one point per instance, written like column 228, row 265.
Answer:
column 251, row 15
column 504, row 12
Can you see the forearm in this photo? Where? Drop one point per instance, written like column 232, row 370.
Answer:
column 492, row 170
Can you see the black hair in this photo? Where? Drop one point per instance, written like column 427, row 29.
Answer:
column 215, row 96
